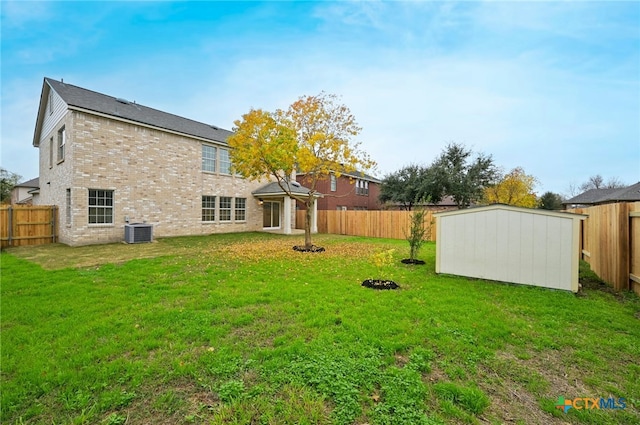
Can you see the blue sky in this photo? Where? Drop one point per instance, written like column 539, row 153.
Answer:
column 552, row 87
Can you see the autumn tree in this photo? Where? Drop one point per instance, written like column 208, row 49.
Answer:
column 459, row 173
column 314, row 136
column 550, row 201
column 514, row 188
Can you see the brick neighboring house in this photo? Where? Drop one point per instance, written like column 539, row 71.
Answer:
column 350, row 191
column 106, row 162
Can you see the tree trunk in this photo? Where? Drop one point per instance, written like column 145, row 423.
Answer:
column 307, row 222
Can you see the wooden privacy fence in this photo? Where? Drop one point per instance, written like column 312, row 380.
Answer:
column 611, row 243
column 28, row 225
column 376, row 224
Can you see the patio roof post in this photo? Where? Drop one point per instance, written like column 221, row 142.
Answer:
column 314, row 216
column 286, row 228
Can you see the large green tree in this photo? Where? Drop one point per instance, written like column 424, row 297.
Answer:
column 461, row 174
column 8, row 180
column 550, row 201
column 314, row 136
column 403, row 187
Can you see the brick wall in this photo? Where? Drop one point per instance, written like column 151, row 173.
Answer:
column 155, row 176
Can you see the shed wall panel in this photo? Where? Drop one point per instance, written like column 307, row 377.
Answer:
column 510, row 246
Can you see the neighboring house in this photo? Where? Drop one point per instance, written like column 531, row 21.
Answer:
column 349, row 191
column 105, row 162
column 447, row 203
column 604, row 196
column 23, row 193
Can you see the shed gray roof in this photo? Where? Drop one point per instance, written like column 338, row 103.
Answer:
column 600, row 196
column 274, row 189
column 92, row 101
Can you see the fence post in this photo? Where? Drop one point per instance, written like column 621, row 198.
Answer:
column 10, row 227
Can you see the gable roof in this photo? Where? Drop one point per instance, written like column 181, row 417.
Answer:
column 85, row 100
column 33, row 183
column 354, row 174
column 601, row 196
column 274, row 188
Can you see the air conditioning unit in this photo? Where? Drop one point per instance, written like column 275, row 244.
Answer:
column 138, row 232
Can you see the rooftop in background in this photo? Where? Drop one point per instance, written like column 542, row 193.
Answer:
column 33, row 183
column 356, row 175
column 606, row 196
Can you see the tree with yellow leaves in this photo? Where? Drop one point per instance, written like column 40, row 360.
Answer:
column 314, row 137
column 514, row 188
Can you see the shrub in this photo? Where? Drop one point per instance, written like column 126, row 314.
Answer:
column 418, row 233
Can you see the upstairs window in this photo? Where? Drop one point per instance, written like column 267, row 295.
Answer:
column 334, row 182
column 362, row 187
column 62, row 140
column 225, row 161
column 50, row 104
column 209, row 158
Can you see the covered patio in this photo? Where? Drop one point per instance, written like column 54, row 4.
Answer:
column 278, row 207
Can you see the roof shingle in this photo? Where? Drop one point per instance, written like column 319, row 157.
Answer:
column 97, row 102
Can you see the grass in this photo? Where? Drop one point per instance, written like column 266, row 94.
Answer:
column 239, row 329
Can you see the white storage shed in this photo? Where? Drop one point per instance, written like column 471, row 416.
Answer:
column 510, row 244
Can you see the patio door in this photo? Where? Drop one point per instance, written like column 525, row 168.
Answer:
column 271, row 215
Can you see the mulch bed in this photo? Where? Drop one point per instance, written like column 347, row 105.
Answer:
column 414, row 262
column 312, row 248
column 380, row 284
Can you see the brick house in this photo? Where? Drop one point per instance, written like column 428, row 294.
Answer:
column 349, row 191
column 105, row 162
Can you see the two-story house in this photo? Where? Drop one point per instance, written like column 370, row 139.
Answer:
column 106, row 161
column 348, row 191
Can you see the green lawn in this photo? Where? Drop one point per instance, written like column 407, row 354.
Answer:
column 241, row 329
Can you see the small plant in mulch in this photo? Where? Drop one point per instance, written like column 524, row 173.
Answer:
column 383, row 261
column 417, row 235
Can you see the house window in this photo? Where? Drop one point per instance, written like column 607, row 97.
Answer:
column 225, row 208
column 51, row 148
column 334, row 182
column 68, row 207
column 362, row 187
column 50, row 102
column 100, row 206
column 208, row 158
column 208, row 208
column 241, row 209
column 225, row 161
column 62, row 140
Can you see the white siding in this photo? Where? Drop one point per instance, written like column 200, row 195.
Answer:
column 50, row 120
column 510, row 245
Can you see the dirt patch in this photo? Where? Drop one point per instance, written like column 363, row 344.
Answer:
column 515, row 386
